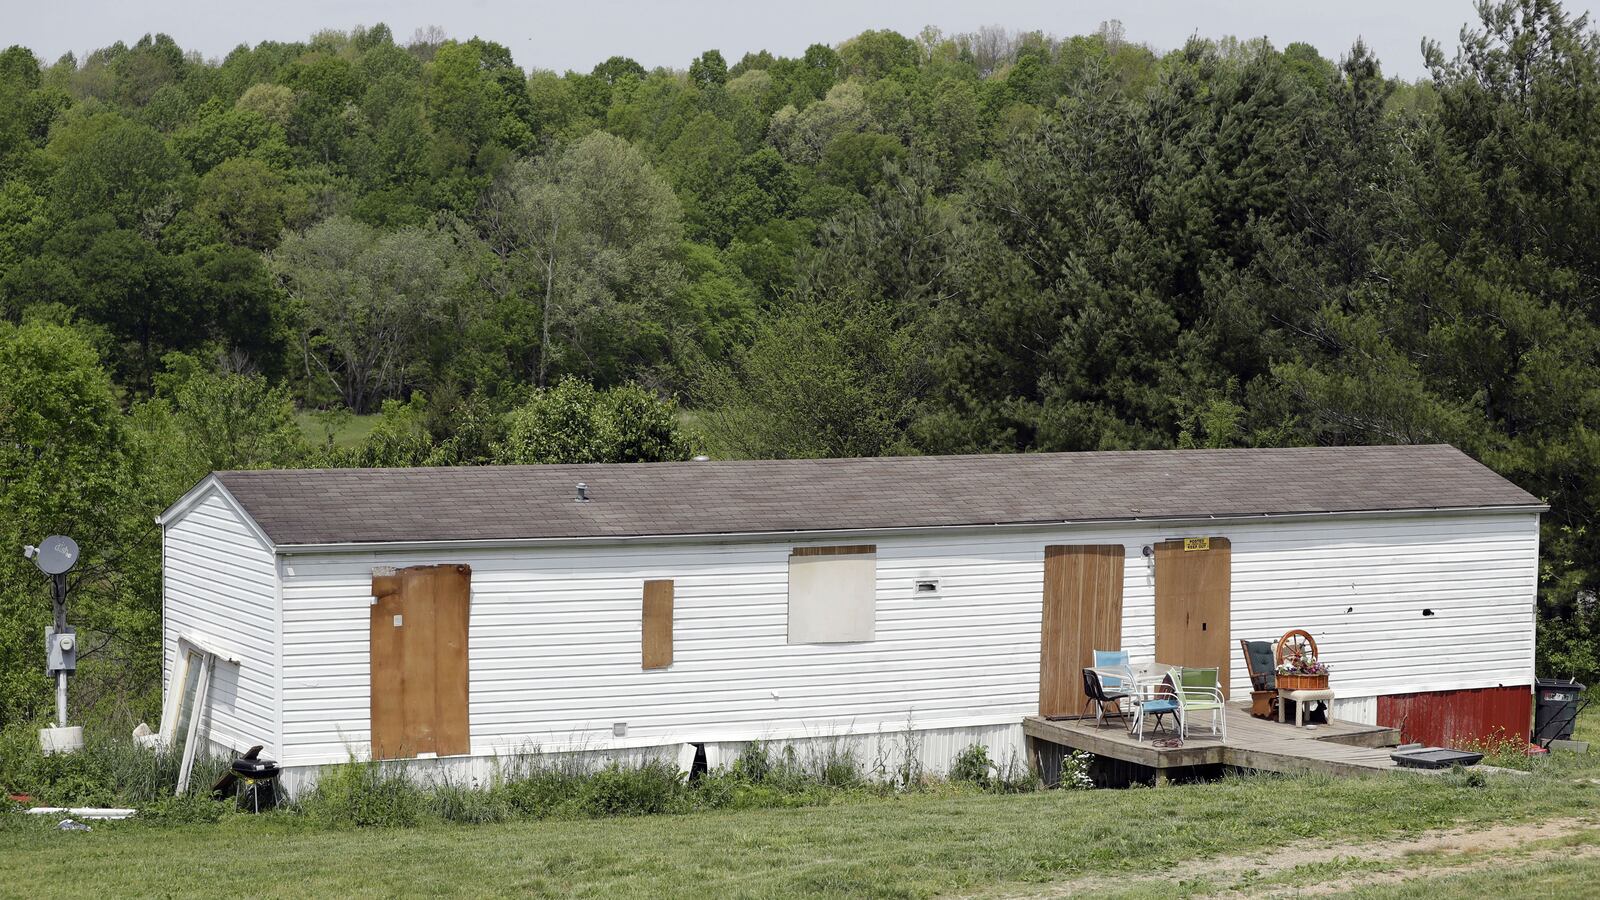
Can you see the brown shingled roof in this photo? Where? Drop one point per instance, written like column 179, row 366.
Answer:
column 507, row 503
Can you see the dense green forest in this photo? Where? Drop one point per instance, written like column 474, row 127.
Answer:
column 928, row 244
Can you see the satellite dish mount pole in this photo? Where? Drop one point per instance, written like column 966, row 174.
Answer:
column 55, row 556
column 58, row 585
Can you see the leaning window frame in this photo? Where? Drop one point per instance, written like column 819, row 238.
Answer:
column 210, row 654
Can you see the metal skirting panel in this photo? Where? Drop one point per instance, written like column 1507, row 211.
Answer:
column 1449, row 718
column 881, row 753
column 484, row 771
column 1361, row 710
column 878, row 755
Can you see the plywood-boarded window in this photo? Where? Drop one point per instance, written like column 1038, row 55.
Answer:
column 833, row 594
column 656, row 624
column 1082, row 614
column 419, row 661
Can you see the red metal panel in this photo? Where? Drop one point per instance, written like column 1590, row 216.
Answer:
column 1449, row 718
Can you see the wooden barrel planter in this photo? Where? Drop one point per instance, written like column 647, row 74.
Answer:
column 1303, row 682
column 1294, row 645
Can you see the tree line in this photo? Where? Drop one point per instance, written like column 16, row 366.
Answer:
column 987, row 242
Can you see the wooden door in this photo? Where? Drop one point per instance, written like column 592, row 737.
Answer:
column 1193, row 597
column 1082, row 614
column 419, row 661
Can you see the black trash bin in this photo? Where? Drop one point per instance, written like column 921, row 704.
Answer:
column 1555, row 710
column 258, row 783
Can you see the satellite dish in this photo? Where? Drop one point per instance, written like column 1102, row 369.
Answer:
column 55, row 555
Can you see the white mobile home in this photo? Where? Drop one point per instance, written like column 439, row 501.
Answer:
column 476, row 612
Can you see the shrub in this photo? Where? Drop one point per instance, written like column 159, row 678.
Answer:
column 836, row 766
column 972, row 766
column 541, row 793
column 1075, row 771
column 566, row 787
column 719, row 790
column 468, row 804
column 754, row 762
column 365, row 794
column 728, row 789
column 655, row 787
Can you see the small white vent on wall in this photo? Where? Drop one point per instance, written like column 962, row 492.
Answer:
column 925, row 587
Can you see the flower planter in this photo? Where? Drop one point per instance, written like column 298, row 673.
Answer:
column 1302, row 682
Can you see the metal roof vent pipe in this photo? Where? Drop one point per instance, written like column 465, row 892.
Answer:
column 583, row 493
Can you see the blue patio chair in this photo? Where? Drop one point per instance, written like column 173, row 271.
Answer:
column 1162, row 701
column 1117, row 660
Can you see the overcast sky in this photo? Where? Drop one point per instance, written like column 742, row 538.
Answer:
column 576, row 35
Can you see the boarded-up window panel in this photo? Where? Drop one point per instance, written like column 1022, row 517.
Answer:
column 418, row 642
column 1193, row 605
column 833, row 594
column 656, row 630
column 1082, row 614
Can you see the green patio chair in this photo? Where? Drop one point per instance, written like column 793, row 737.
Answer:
column 1200, row 694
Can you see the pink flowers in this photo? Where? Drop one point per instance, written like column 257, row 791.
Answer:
column 1303, row 665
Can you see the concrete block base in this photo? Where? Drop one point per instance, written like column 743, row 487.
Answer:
column 61, row 740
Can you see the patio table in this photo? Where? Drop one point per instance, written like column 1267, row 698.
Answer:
column 1147, row 677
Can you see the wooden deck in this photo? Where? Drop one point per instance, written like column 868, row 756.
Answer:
column 1338, row 748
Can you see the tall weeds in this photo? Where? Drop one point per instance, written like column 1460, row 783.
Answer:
column 108, row 771
column 530, row 785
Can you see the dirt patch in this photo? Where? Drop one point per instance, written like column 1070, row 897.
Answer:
column 1397, row 859
column 1396, row 876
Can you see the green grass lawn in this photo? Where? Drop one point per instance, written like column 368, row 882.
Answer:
column 913, row 845
column 351, row 430
column 943, row 841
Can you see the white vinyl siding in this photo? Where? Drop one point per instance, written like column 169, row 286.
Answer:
column 554, row 635
column 219, row 584
column 1360, row 586
column 1361, row 589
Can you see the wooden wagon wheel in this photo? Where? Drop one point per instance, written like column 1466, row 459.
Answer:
column 1296, row 644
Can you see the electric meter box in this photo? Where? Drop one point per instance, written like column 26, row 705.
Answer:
column 60, row 650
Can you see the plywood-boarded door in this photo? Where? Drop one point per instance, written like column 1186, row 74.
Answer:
column 1194, row 580
column 419, row 661
column 1082, row 614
